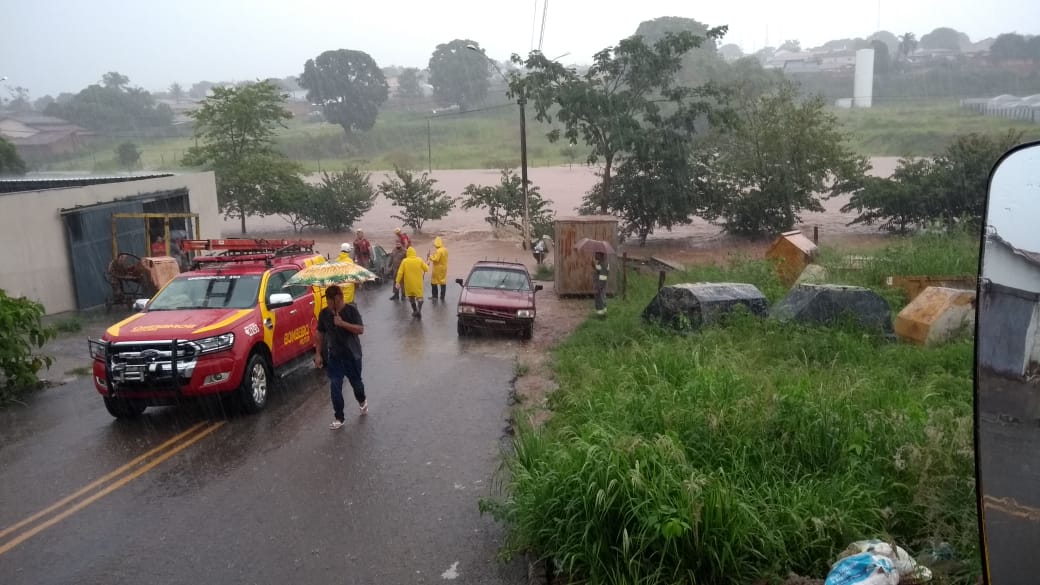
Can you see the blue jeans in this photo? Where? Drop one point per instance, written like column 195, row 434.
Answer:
column 338, row 368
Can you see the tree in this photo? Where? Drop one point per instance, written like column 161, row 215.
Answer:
column 946, row 189
column 112, row 107
column 10, row 162
column 700, row 64
column 783, row 155
column 334, row 204
column 416, row 196
column 890, row 40
column 115, row 80
column 604, row 106
column 942, row 38
column 408, row 83
column 23, row 334
column 791, row 46
column 504, row 204
column 882, row 60
column 176, row 92
column 1009, row 47
column 129, row 155
column 19, row 102
column 907, row 44
column 40, row 104
column 459, row 75
column 349, row 87
column 236, row 128
column 1033, row 48
column 731, row 52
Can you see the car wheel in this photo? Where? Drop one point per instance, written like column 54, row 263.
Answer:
column 527, row 331
column 123, row 409
column 462, row 329
column 252, row 392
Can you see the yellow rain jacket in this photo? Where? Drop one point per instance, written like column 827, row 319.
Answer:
column 348, row 288
column 439, row 260
column 411, row 274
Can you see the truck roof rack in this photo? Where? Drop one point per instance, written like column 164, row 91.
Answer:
column 235, row 250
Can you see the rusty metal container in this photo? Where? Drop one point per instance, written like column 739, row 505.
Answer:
column 791, row 252
column 573, row 269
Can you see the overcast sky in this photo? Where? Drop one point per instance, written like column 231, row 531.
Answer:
column 63, row 45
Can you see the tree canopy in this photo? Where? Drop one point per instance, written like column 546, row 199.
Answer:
column 504, row 204
column 349, row 87
column 417, row 198
column 942, row 38
column 10, row 162
column 408, row 83
column 459, row 75
column 112, row 106
column 235, row 127
column 605, row 105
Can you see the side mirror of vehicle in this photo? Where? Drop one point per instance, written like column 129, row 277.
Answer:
column 140, row 304
column 279, row 300
column 459, row 281
column 537, row 287
column 1007, row 359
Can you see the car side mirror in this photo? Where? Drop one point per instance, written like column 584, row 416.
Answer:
column 537, row 287
column 141, row 304
column 459, row 281
column 279, row 300
column 1007, row 359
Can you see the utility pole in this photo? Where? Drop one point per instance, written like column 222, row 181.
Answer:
column 523, row 166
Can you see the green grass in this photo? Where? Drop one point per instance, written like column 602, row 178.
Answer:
column 486, row 139
column 919, row 129
column 744, row 451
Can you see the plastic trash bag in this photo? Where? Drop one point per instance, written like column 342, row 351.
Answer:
column 910, row 573
column 863, row 569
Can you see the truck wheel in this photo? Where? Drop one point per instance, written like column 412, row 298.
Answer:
column 527, row 332
column 252, row 392
column 462, row 329
column 123, row 409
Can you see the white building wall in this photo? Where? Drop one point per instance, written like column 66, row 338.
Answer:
column 35, row 261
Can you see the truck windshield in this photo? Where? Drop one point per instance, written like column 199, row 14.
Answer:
column 208, row 292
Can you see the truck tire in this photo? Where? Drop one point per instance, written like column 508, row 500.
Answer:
column 527, row 331
column 123, row 409
column 461, row 329
column 252, row 392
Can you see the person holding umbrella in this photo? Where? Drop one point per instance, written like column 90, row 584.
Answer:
column 600, row 269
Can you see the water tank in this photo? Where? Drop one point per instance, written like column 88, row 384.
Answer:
column 863, row 88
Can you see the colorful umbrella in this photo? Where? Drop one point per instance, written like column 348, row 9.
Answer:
column 592, row 246
column 329, row 273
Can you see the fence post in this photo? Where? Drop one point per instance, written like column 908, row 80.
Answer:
column 816, row 235
column 624, row 276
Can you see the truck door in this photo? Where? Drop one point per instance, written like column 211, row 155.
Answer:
column 290, row 324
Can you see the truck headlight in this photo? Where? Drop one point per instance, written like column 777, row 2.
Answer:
column 98, row 349
column 466, row 310
column 525, row 314
column 217, row 343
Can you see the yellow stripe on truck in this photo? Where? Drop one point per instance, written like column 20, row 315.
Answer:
column 114, row 330
column 225, row 322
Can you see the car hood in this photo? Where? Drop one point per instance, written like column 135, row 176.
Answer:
column 498, row 298
column 187, row 324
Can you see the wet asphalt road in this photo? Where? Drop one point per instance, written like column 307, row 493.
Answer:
column 275, row 497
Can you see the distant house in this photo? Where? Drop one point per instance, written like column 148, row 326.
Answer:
column 36, row 136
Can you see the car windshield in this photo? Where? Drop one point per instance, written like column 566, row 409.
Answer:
column 499, row 278
column 208, row 292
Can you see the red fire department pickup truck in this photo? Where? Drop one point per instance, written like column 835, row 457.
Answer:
column 223, row 327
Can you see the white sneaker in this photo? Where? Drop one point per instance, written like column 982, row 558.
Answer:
column 363, row 407
column 336, row 424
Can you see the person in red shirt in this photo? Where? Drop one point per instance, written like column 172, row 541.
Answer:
column 362, row 250
column 402, row 237
column 158, row 247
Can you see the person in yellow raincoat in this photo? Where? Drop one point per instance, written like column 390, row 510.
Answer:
column 439, row 265
column 410, row 277
column 344, row 256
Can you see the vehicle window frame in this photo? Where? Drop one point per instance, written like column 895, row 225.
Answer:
column 499, row 269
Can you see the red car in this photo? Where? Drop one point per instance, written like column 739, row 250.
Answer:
column 497, row 296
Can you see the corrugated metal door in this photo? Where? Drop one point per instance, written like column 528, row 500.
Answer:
column 1004, row 318
column 89, row 236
